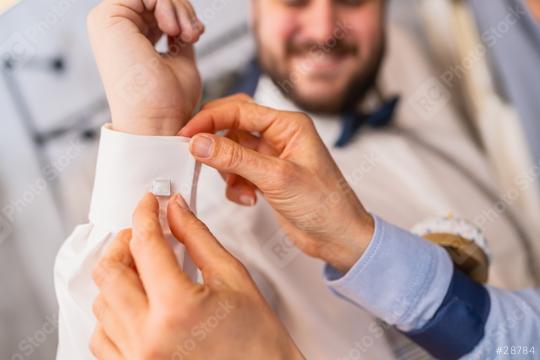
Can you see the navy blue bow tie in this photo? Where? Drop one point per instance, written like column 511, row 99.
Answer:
column 351, row 122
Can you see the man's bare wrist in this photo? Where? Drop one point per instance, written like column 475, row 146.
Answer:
column 158, row 130
column 349, row 247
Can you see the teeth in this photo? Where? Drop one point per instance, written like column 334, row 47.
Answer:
column 323, row 55
column 325, row 58
column 320, row 58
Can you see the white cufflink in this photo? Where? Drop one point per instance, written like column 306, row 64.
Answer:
column 161, row 187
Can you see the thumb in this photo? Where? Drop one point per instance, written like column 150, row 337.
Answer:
column 217, row 264
column 228, row 156
column 153, row 257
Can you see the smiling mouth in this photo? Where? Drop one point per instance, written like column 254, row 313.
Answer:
column 320, row 63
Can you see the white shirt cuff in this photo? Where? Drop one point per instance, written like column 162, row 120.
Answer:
column 127, row 166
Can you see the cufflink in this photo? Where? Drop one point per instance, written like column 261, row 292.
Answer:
column 161, row 187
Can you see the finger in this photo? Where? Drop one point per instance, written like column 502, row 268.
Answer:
column 118, row 281
column 195, row 21
column 110, row 323
column 102, row 347
column 166, row 17
column 236, row 136
column 191, row 27
column 277, row 127
column 241, row 192
column 251, row 141
column 118, row 250
column 156, row 263
column 125, row 295
column 207, row 253
column 238, row 189
column 225, row 155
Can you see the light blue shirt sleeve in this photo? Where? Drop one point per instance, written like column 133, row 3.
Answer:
column 404, row 279
column 513, row 326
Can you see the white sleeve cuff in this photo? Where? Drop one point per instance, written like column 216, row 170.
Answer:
column 127, row 166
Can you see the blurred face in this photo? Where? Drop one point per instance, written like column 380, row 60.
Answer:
column 322, row 54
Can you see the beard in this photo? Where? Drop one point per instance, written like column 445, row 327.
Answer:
column 361, row 81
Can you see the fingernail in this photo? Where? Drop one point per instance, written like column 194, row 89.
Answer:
column 201, row 146
column 180, row 201
column 247, row 200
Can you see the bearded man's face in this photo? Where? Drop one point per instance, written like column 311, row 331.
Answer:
column 322, row 54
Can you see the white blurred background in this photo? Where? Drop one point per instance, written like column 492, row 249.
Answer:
column 51, row 106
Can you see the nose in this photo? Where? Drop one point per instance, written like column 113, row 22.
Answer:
column 319, row 20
